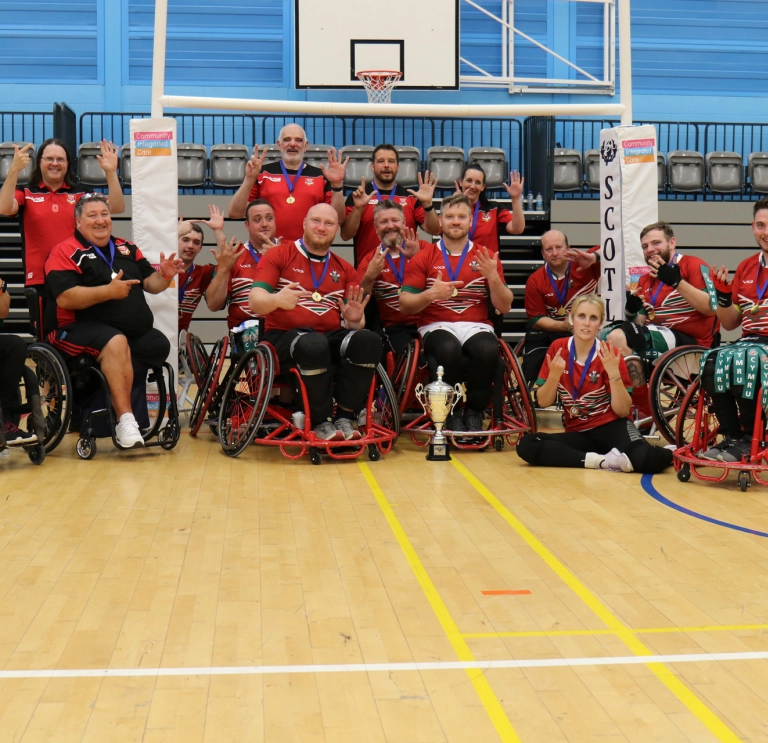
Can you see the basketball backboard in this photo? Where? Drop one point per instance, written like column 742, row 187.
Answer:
column 335, row 40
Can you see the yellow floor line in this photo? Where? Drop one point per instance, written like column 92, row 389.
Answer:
column 642, row 631
column 482, row 687
column 713, row 723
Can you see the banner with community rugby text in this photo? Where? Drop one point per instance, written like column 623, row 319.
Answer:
column 155, row 207
column 628, row 202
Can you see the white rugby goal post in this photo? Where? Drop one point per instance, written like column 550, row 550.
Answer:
column 161, row 101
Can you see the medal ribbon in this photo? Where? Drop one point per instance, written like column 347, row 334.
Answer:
column 378, row 193
column 253, row 252
column 453, row 274
column 398, row 274
column 315, row 281
column 183, row 288
column 474, row 220
column 655, row 294
column 291, row 184
column 760, row 289
column 111, row 254
column 553, row 280
column 576, row 391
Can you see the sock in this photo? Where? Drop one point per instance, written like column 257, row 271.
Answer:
column 127, row 417
column 593, row 460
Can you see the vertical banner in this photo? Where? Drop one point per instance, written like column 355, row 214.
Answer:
column 628, row 202
column 155, row 207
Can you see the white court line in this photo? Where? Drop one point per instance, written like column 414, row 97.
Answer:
column 482, row 665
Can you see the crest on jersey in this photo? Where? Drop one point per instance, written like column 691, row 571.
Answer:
column 335, row 276
column 310, row 181
column 486, row 216
column 71, row 199
column 593, row 377
column 475, row 266
column 124, row 250
column 402, row 200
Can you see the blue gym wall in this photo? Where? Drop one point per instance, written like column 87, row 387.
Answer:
column 694, row 60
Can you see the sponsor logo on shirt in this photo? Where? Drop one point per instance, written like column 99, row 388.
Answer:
column 299, row 270
column 36, row 199
column 274, row 179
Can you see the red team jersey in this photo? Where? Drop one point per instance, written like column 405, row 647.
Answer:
column 386, row 289
column 492, row 219
column 594, row 402
column 541, row 299
column 366, row 240
column 666, row 306
column 745, row 285
column 239, row 288
column 471, row 303
column 47, row 218
column 192, row 285
column 311, row 188
column 288, row 263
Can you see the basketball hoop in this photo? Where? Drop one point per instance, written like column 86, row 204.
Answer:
column 379, row 84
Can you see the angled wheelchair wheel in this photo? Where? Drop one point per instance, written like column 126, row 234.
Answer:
column 245, row 400
column 207, row 389
column 670, row 380
column 404, row 374
column 197, row 358
column 696, row 421
column 516, row 398
column 384, row 413
column 55, row 391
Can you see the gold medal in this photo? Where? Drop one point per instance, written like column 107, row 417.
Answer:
column 290, row 199
column 317, row 297
column 561, row 311
column 574, row 411
column 455, row 292
column 755, row 309
column 651, row 315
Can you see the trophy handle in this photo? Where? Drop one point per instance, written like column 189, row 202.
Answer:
column 459, row 390
column 419, row 393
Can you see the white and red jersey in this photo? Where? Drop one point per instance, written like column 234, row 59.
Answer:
column 471, row 302
column 751, row 276
column 541, row 296
column 594, row 400
column 241, row 277
column 192, row 284
column 310, row 188
column 289, row 263
column 366, row 240
column 666, row 306
column 386, row 287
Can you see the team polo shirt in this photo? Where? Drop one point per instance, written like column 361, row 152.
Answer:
column 541, row 297
column 492, row 219
column 366, row 240
column 47, row 218
column 471, row 302
column 665, row 306
column 745, row 295
column 594, row 401
column 311, row 188
column 192, row 285
column 386, row 289
column 74, row 262
column 287, row 263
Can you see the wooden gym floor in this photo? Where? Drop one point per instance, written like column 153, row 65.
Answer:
column 185, row 596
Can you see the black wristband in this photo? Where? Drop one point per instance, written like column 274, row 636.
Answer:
column 724, row 299
column 336, row 190
column 429, row 208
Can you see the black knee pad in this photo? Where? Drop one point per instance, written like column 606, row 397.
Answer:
column 484, row 348
column 311, row 352
column 636, row 339
column 647, row 459
column 708, row 374
column 361, row 348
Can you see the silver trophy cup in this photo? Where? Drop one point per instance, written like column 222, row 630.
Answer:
column 438, row 400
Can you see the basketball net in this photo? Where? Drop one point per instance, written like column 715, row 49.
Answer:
column 379, row 84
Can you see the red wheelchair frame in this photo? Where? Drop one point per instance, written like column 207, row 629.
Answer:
column 250, row 413
column 511, row 412
column 697, row 431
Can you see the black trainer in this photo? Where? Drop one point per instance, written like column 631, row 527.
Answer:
column 454, row 423
column 473, row 420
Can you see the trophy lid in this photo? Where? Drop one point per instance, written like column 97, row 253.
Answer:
column 438, row 384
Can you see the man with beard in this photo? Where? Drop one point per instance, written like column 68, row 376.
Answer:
column 315, row 319
column 383, row 270
column 237, row 264
column 291, row 186
column 417, row 205
column 453, row 313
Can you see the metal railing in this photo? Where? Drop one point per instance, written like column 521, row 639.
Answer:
column 21, row 126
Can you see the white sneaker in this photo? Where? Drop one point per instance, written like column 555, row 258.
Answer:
column 615, row 461
column 128, row 435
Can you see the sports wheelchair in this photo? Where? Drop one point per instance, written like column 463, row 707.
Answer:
column 510, row 415
column 30, row 416
column 261, row 405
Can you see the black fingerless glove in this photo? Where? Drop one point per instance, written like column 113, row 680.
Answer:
column 669, row 275
column 634, row 304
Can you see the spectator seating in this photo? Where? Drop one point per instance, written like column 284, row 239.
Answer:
column 125, row 164
column 6, row 157
column 725, row 172
column 410, row 164
column 494, row 162
column 359, row 164
column 567, row 171
column 193, row 163
column 758, row 172
column 592, row 169
column 446, row 164
column 273, row 153
column 685, row 171
column 228, row 164
column 317, row 155
column 89, row 172
column 661, row 169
